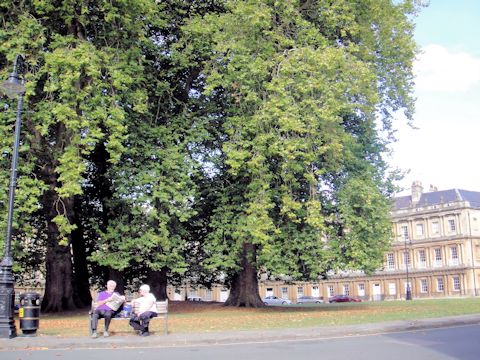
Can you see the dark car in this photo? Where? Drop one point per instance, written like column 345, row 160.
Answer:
column 342, row 298
column 309, row 299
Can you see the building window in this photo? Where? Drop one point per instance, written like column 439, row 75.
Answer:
column 456, row 283
column 419, row 229
column 392, row 289
column 299, row 291
column 440, row 285
column 454, row 255
column 422, row 258
column 404, row 232
column 390, row 261
column 346, row 289
column 438, row 257
column 330, row 290
column 451, row 225
column 361, row 289
column 284, row 291
column 423, row 285
column 435, row 227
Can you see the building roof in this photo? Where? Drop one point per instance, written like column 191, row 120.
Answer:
column 438, row 198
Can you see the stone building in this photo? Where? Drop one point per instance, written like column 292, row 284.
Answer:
column 435, row 250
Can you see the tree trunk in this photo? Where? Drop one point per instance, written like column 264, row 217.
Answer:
column 59, row 294
column 81, row 284
column 158, row 283
column 244, row 290
column 59, row 270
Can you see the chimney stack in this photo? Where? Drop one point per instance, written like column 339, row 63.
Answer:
column 417, row 190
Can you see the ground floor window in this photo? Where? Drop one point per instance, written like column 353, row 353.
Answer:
column 440, row 285
column 361, row 289
column 456, row 283
column 299, row 291
column 424, row 285
column 330, row 290
column 392, row 289
column 346, row 289
column 284, row 291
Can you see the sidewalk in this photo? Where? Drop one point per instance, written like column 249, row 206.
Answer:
column 257, row 336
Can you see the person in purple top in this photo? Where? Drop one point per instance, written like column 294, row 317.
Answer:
column 103, row 310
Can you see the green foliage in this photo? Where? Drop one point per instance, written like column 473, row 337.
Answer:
column 363, row 231
column 186, row 130
column 85, row 81
column 300, row 156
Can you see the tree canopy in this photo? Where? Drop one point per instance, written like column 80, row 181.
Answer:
column 203, row 139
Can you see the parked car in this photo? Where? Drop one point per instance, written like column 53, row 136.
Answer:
column 309, row 299
column 274, row 300
column 342, row 298
column 194, row 298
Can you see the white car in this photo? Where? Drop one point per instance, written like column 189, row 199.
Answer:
column 194, row 298
column 274, row 300
column 309, row 299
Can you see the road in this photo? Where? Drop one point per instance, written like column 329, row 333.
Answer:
column 460, row 342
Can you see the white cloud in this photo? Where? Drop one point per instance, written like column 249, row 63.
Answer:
column 439, row 70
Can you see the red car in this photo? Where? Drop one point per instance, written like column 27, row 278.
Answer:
column 342, row 298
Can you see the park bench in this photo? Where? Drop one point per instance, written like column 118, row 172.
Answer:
column 162, row 313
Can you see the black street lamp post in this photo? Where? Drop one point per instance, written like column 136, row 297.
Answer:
column 13, row 87
column 408, row 292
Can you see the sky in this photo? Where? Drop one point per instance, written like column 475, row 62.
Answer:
column 444, row 149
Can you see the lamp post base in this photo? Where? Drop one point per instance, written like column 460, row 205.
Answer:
column 408, row 295
column 7, row 300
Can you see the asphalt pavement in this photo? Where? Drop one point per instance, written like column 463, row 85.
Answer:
column 43, row 342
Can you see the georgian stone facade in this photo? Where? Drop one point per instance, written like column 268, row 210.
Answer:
column 436, row 245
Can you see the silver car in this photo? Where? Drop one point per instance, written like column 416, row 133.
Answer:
column 274, row 300
column 309, row 299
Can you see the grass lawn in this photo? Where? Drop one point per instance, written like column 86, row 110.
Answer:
column 185, row 317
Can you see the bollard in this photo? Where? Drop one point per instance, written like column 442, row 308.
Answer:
column 29, row 313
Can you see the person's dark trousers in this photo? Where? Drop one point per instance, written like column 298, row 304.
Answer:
column 140, row 323
column 98, row 314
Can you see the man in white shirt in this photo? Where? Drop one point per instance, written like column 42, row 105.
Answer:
column 146, row 306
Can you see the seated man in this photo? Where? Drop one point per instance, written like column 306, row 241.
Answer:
column 104, row 307
column 146, row 308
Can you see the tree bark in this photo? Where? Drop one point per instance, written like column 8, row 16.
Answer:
column 59, row 268
column 59, row 294
column 158, row 283
column 244, row 290
column 81, row 290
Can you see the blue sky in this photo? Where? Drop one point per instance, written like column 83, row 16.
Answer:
column 444, row 150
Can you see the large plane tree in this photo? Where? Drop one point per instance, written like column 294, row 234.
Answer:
column 309, row 89
column 85, row 82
